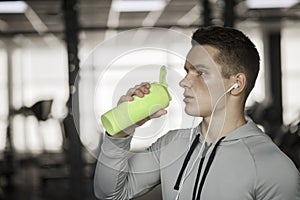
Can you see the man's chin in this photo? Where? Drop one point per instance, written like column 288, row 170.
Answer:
column 191, row 112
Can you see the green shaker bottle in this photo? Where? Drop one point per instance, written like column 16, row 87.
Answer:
column 131, row 112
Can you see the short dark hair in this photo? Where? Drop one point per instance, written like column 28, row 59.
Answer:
column 236, row 52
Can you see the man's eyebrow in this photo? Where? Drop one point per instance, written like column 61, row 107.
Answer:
column 200, row 66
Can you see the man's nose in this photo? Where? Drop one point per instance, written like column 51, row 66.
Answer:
column 184, row 83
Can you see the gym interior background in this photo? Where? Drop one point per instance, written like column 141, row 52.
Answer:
column 43, row 44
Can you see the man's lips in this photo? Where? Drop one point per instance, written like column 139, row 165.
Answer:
column 185, row 94
column 187, row 98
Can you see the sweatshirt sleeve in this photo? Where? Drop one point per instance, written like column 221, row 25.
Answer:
column 121, row 174
column 277, row 176
column 285, row 184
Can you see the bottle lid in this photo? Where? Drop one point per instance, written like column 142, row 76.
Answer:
column 162, row 76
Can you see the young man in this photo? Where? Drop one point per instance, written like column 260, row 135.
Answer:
column 226, row 157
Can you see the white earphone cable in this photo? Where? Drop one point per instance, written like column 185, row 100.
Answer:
column 186, row 174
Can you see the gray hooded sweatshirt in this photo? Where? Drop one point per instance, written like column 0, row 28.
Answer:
column 246, row 165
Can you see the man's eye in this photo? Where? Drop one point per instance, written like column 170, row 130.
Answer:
column 201, row 73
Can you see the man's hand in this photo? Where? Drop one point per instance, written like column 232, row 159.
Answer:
column 139, row 90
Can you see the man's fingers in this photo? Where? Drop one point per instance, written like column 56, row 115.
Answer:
column 131, row 91
column 159, row 113
column 125, row 98
column 139, row 90
column 155, row 115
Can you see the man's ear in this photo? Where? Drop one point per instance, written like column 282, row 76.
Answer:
column 241, row 80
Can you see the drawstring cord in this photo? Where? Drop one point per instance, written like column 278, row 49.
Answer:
column 186, row 160
column 206, row 170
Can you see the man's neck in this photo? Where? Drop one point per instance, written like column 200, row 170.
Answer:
column 221, row 125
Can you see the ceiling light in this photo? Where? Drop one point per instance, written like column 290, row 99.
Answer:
column 12, row 7
column 138, row 5
column 256, row 4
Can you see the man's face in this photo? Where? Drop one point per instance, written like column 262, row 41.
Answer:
column 203, row 83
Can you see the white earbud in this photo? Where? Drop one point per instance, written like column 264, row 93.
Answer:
column 236, row 85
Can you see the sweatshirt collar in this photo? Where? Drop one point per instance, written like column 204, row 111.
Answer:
column 247, row 130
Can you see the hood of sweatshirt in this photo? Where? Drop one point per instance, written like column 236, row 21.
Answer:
column 247, row 130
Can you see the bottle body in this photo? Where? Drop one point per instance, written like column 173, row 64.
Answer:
column 131, row 112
